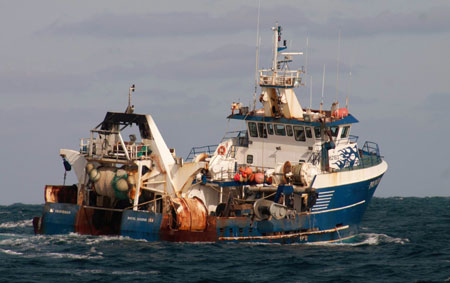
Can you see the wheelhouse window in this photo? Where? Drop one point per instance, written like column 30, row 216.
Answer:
column 317, row 132
column 308, row 132
column 345, row 132
column 280, row 130
column 262, row 130
column 270, row 129
column 289, row 131
column 334, row 131
column 252, row 129
column 299, row 133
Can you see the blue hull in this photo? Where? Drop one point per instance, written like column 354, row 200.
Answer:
column 334, row 218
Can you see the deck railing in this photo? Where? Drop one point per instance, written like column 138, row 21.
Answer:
column 208, row 149
column 283, row 78
column 369, row 155
column 100, row 150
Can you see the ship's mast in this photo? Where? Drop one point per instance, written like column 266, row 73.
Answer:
column 276, row 39
column 130, row 108
column 277, row 83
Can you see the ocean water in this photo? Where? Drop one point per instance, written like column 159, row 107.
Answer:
column 401, row 240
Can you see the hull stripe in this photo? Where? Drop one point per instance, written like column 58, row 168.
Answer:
column 283, row 236
column 339, row 208
column 327, row 192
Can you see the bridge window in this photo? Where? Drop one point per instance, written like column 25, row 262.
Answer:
column 252, row 129
column 280, row 130
column 270, row 129
column 289, row 130
column 299, row 133
column 308, row 132
column 262, row 130
column 345, row 132
column 317, row 132
column 334, row 131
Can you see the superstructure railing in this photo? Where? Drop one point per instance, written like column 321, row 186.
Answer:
column 283, row 78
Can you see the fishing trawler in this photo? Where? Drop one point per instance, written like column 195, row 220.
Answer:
column 293, row 175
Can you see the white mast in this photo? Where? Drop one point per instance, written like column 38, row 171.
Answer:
column 276, row 29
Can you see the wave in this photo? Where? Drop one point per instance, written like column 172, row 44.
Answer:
column 67, row 255
column 134, row 272
column 10, row 252
column 363, row 239
column 21, row 224
column 376, row 239
column 93, row 240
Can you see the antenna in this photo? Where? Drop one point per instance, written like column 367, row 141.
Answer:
column 323, row 87
column 258, row 40
column 306, row 71
column 349, row 86
column 306, row 55
column 310, row 92
column 337, row 63
column 130, row 108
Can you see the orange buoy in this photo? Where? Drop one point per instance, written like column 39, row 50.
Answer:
column 259, row 178
column 221, row 150
column 341, row 113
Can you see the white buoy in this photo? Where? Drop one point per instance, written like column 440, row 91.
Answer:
column 89, row 167
column 94, row 175
column 122, row 185
column 121, row 173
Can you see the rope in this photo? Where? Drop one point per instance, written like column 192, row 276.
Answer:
column 144, row 203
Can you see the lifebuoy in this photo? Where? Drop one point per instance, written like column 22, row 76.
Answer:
column 221, row 150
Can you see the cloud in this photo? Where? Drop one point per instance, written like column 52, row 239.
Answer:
column 446, row 173
column 229, row 61
column 433, row 20
column 436, row 105
column 149, row 25
column 153, row 24
column 41, row 82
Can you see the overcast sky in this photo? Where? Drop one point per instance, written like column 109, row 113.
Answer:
column 63, row 65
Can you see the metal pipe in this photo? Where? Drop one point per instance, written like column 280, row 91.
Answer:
column 274, row 189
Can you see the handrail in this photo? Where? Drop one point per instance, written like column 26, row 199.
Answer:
column 369, row 155
column 119, row 151
column 209, row 149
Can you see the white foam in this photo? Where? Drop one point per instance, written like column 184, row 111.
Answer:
column 376, row 239
column 10, row 252
column 22, row 223
column 99, row 239
column 131, row 272
column 14, row 241
column 136, row 272
column 69, row 255
column 371, row 239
